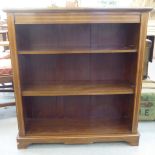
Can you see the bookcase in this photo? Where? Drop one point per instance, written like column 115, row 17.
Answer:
column 77, row 73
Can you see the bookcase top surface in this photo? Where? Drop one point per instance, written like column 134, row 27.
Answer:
column 63, row 9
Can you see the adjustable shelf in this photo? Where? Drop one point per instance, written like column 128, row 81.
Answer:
column 77, row 74
column 77, row 88
column 73, row 51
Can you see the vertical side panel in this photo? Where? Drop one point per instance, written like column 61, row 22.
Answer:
column 140, row 62
column 16, row 74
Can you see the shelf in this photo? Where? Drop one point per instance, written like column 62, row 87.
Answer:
column 77, row 88
column 74, row 127
column 72, row 51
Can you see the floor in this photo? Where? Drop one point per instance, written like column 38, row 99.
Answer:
column 8, row 133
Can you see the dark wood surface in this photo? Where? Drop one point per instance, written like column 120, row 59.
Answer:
column 77, row 51
column 77, row 88
column 77, row 74
column 76, row 113
column 79, row 106
column 73, row 127
column 77, row 37
column 81, row 67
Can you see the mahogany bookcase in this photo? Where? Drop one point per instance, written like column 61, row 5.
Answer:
column 77, row 73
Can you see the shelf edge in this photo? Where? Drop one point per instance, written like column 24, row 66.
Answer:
column 77, row 51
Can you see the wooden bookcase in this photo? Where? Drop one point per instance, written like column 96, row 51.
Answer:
column 77, row 74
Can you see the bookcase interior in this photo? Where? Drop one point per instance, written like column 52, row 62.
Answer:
column 76, row 36
column 73, row 115
column 75, row 68
column 86, row 93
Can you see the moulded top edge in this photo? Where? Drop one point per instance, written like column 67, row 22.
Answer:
column 63, row 9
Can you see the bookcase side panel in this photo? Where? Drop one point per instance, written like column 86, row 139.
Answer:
column 139, row 70
column 16, row 74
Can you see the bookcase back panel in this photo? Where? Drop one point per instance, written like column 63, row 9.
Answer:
column 107, row 107
column 82, row 67
column 80, row 36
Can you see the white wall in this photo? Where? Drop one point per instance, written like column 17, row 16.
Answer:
column 45, row 3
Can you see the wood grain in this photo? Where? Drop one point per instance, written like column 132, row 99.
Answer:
column 73, row 127
column 78, row 88
column 139, row 73
column 16, row 74
column 77, row 74
column 24, row 142
column 77, row 38
column 81, row 67
column 75, row 107
column 77, row 18
column 79, row 51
